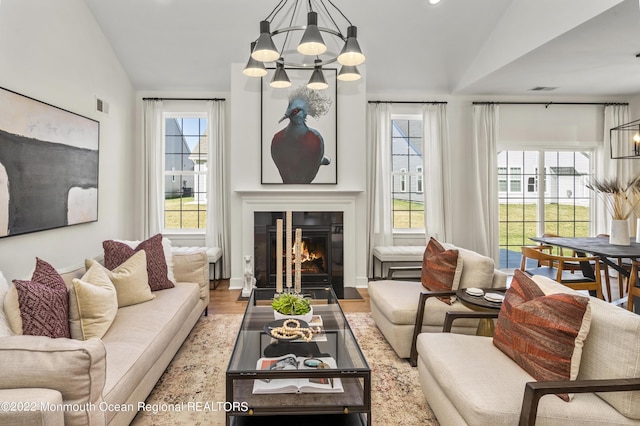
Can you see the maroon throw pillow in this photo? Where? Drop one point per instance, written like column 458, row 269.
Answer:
column 44, row 303
column 439, row 268
column 542, row 334
column 116, row 253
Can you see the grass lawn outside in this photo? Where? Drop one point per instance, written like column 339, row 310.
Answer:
column 183, row 213
column 408, row 214
column 518, row 222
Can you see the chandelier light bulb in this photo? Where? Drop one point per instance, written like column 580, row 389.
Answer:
column 349, row 73
column 265, row 50
column 280, row 78
column 312, row 43
column 317, row 80
column 351, row 53
column 254, row 68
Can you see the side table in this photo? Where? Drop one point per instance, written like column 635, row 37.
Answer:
column 479, row 303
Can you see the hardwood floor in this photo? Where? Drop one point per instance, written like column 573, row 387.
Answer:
column 225, row 301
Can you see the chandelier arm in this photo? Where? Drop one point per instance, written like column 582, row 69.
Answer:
column 286, row 37
column 343, row 15
column 276, row 9
column 335, row 24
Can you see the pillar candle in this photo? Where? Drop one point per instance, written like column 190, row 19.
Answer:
column 289, row 246
column 279, row 256
column 298, row 260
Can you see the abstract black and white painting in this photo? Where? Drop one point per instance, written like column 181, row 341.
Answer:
column 48, row 166
column 299, row 130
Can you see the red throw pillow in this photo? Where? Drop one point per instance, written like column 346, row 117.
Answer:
column 441, row 269
column 542, row 334
column 116, row 253
column 44, row 303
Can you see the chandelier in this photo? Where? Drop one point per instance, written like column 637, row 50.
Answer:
column 624, row 141
column 320, row 42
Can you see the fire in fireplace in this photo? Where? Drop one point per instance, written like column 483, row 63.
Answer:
column 322, row 241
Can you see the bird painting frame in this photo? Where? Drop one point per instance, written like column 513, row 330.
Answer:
column 317, row 163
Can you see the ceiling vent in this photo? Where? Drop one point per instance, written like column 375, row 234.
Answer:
column 543, row 89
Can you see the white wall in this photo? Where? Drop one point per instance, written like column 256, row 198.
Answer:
column 54, row 51
column 246, row 174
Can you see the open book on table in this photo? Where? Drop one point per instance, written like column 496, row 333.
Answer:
column 297, row 385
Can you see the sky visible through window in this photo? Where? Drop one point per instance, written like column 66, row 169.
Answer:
column 192, row 128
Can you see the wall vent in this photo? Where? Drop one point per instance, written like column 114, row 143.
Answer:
column 542, row 89
column 102, row 106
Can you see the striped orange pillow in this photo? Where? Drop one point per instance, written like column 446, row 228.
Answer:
column 542, row 334
column 441, row 269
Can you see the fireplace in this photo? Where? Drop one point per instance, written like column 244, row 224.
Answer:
column 322, row 241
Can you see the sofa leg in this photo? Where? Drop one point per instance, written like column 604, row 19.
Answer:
column 206, row 311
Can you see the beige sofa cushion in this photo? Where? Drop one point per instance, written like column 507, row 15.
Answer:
column 477, row 270
column 486, row 387
column 611, row 350
column 129, row 279
column 12, row 310
column 93, row 304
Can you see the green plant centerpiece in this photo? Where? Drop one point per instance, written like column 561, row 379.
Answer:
column 292, row 305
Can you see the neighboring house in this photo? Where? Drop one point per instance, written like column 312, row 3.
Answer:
column 199, row 158
column 519, row 182
column 177, row 158
column 407, row 158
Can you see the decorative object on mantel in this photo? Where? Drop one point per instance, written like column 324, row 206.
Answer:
column 313, row 52
column 624, row 141
column 621, row 200
column 304, row 150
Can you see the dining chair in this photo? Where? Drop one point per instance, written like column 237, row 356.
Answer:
column 633, row 279
column 554, row 267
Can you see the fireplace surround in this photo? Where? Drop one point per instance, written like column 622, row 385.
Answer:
column 323, row 242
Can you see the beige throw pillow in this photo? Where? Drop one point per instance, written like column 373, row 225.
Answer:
column 93, row 304
column 12, row 310
column 130, row 279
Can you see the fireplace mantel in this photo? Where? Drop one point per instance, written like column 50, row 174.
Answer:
column 299, row 201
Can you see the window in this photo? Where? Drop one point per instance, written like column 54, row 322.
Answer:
column 185, row 170
column 515, row 179
column 562, row 206
column 407, row 177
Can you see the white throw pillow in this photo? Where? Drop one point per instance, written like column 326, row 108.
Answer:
column 5, row 328
column 166, row 248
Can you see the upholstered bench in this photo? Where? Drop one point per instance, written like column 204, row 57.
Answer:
column 214, row 255
column 396, row 254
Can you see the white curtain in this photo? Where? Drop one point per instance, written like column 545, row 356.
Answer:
column 623, row 169
column 217, row 234
column 379, row 222
column 435, row 170
column 152, row 176
column 483, row 207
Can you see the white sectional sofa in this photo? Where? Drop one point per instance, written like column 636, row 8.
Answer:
column 468, row 380
column 394, row 303
column 102, row 381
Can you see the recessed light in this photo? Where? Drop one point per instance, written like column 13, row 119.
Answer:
column 434, row 1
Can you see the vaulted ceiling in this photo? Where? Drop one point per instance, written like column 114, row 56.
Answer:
column 490, row 47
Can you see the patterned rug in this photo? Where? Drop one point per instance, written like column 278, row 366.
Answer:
column 196, row 376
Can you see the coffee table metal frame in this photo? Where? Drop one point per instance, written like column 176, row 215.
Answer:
column 341, row 344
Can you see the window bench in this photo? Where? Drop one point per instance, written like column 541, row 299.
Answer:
column 397, row 254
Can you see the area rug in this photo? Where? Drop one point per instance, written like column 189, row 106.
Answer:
column 195, row 378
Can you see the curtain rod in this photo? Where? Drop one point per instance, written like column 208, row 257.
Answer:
column 546, row 104
column 183, row 99
column 407, row 102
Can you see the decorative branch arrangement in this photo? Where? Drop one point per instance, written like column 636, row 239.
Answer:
column 297, row 248
column 621, row 199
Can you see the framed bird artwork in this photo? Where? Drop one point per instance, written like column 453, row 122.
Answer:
column 299, row 130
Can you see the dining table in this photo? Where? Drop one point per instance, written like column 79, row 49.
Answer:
column 601, row 247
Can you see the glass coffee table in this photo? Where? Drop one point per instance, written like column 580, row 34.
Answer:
column 346, row 370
